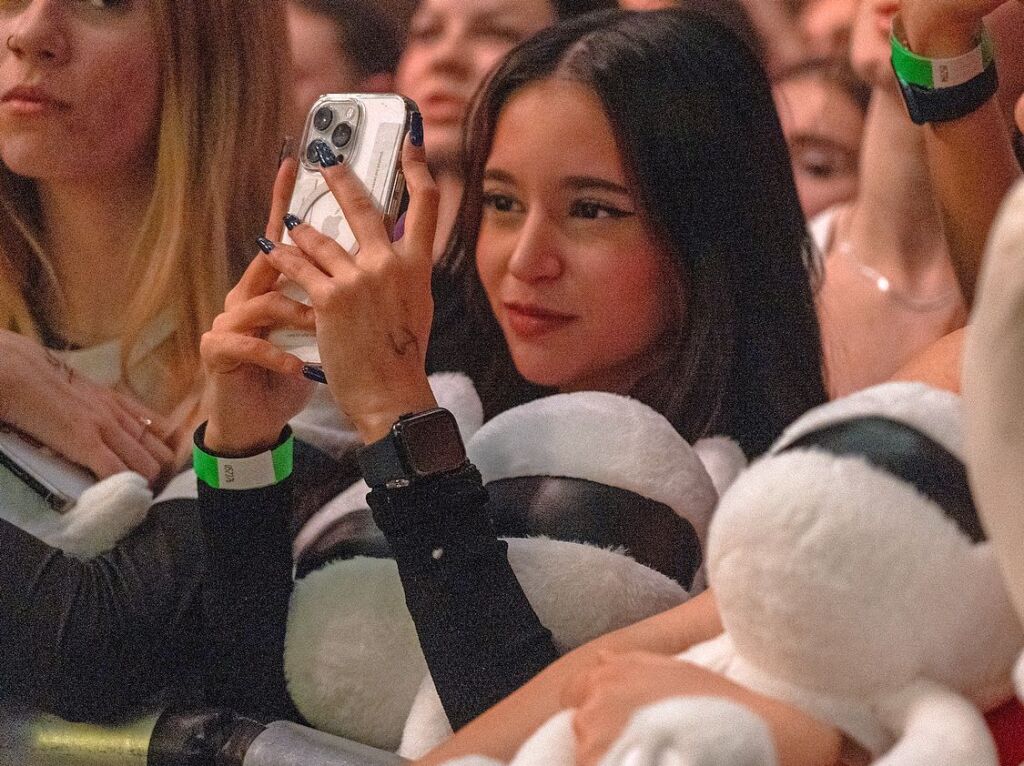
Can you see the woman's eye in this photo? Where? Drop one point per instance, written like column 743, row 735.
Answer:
column 101, row 4
column 823, row 163
column 501, row 34
column 424, row 30
column 501, row 203
column 590, row 210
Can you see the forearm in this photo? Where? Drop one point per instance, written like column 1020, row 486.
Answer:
column 93, row 639
column 971, row 159
column 246, row 593
column 500, row 731
column 479, row 634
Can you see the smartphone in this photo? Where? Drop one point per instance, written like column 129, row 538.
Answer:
column 34, row 479
column 366, row 131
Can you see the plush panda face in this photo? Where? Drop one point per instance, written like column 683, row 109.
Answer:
column 833, row 574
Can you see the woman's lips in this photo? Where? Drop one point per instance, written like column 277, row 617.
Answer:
column 442, row 107
column 529, row 321
column 29, row 100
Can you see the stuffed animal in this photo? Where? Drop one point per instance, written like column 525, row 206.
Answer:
column 853, row 581
column 605, row 479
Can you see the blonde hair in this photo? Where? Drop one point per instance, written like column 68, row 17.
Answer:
column 218, row 140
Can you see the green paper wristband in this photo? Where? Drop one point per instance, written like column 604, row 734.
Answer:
column 238, row 473
column 935, row 74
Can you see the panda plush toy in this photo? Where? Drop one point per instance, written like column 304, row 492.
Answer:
column 854, row 581
column 605, row 509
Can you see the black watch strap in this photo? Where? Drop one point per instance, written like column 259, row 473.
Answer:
column 420, row 445
column 382, row 464
column 943, row 104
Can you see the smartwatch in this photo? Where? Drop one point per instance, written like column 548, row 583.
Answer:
column 938, row 90
column 419, row 446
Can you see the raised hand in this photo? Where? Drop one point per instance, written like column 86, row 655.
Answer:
column 373, row 308
column 945, row 28
column 92, row 425
column 253, row 387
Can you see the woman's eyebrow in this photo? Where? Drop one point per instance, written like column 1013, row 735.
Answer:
column 583, row 183
column 502, row 176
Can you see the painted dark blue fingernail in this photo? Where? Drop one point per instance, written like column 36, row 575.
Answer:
column 416, row 129
column 291, row 221
column 324, row 153
column 265, row 244
column 315, row 373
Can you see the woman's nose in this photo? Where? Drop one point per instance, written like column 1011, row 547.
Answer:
column 38, row 32
column 536, row 254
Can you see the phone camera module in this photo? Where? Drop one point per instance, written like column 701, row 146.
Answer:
column 323, row 118
column 311, row 156
column 342, row 135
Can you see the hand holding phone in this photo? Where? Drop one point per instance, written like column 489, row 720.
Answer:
column 365, row 132
column 373, row 308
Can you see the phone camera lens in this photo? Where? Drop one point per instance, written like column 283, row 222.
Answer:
column 311, row 156
column 323, row 118
column 342, row 135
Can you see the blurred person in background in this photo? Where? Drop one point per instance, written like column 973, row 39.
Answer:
column 890, row 289
column 822, row 106
column 339, row 46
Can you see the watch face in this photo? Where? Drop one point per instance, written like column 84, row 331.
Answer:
column 431, row 443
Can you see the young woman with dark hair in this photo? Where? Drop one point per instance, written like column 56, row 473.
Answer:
column 630, row 225
column 741, row 357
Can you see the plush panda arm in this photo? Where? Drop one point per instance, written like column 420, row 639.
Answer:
column 934, row 726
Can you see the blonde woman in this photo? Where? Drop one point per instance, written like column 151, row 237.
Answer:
column 139, row 140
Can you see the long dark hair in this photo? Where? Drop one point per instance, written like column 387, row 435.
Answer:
column 694, row 120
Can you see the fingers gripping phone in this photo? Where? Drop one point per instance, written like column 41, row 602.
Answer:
column 366, row 132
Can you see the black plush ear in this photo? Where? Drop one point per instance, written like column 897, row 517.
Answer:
column 578, row 510
column 908, row 454
column 598, row 468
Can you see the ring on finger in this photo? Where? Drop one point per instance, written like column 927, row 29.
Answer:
column 147, row 423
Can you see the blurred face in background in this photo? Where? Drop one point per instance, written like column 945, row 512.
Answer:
column 823, row 126
column 451, row 47
column 318, row 64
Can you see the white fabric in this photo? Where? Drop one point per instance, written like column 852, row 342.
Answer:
column 104, row 513
column 102, row 363
column 601, row 437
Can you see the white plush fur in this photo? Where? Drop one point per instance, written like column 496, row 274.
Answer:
column 847, row 593
column 602, row 437
column 691, row 731
column 104, row 513
column 722, row 458
column 353, row 660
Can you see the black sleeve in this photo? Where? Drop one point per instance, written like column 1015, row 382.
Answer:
column 94, row 639
column 245, row 598
column 479, row 634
